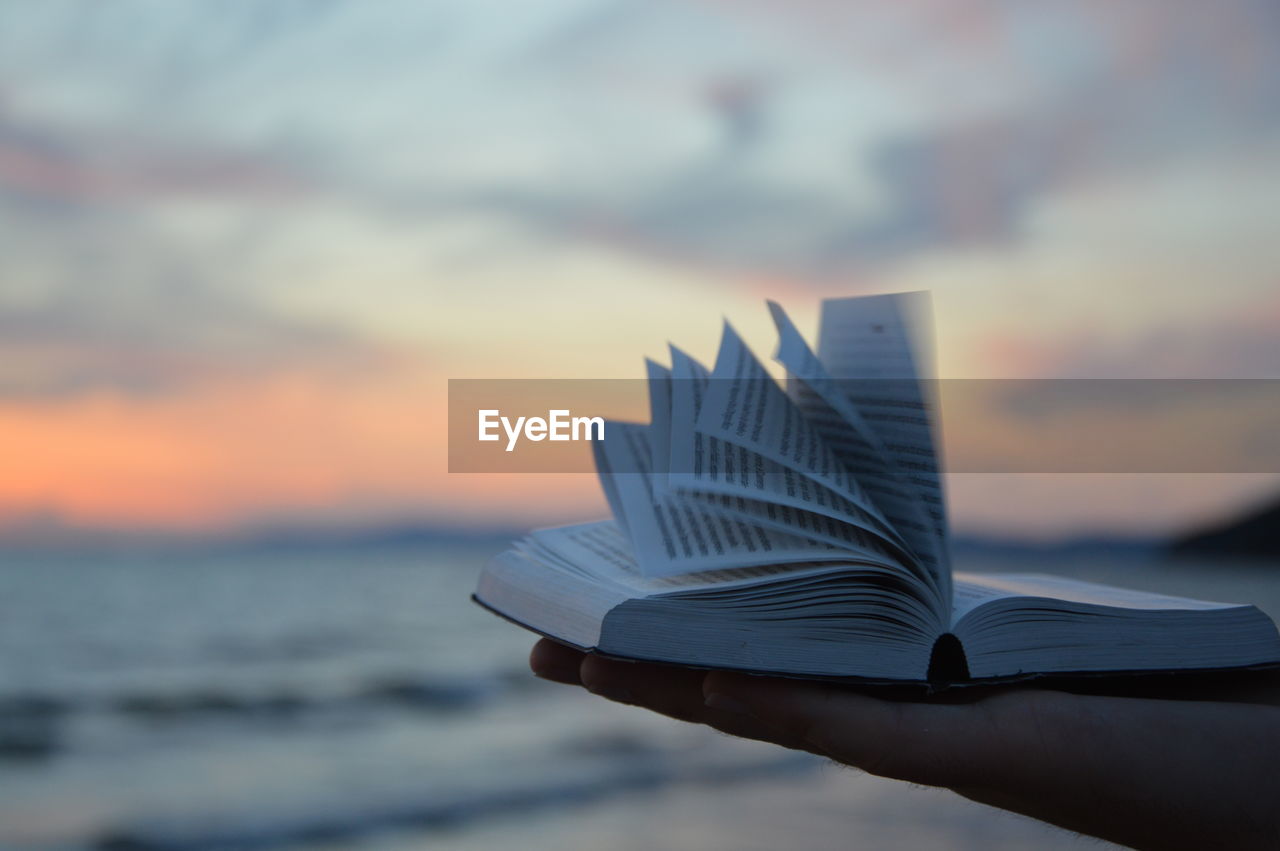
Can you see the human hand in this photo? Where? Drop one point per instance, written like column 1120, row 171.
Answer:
column 1141, row 771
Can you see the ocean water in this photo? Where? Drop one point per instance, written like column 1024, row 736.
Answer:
column 355, row 699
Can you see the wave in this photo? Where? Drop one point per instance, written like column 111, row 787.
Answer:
column 31, row 725
column 324, row 826
column 431, row 695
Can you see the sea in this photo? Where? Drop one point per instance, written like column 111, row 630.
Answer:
column 171, row 699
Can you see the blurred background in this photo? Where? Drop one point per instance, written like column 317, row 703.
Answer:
column 244, row 245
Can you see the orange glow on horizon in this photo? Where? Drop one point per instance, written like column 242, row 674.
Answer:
column 238, row 454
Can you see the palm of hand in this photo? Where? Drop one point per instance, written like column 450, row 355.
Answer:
column 1153, row 772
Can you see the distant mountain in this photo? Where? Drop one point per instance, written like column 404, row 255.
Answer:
column 404, row 534
column 267, row 538
column 1256, row 535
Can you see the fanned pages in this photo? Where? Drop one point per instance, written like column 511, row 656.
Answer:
column 861, row 449
column 802, row 531
column 878, row 350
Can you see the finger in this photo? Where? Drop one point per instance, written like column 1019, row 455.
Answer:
column 553, row 661
column 672, row 691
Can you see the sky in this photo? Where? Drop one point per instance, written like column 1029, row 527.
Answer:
column 244, row 245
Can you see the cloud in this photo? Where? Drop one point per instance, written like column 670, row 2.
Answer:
column 66, row 350
column 101, row 299
column 1234, row 345
column 682, row 132
column 1108, row 95
column 44, row 166
column 686, row 132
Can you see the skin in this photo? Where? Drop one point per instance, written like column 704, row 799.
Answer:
column 1166, row 770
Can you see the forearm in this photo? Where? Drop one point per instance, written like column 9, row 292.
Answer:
column 1145, row 773
column 1167, row 774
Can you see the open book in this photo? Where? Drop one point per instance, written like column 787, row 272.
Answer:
column 802, row 531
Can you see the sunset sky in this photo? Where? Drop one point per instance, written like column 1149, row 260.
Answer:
column 244, row 245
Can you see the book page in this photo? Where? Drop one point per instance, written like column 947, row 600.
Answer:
column 878, row 349
column 856, row 445
column 1022, row 623
column 745, row 407
column 969, row 591
column 659, row 381
column 685, row 444
column 973, row 590
column 671, row 534
column 858, row 542
column 707, row 464
column 523, row 586
column 604, row 547
column 609, row 484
